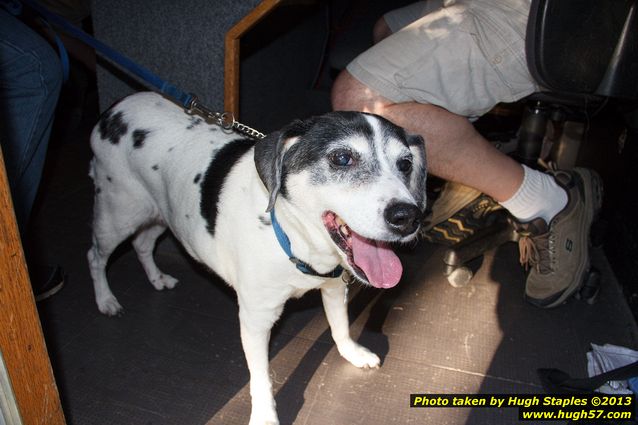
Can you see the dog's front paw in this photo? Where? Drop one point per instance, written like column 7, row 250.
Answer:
column 262, row 422
column 109, row 306
column 260, row 419
column 164, row 281
column 263, row 412
column 360, row 356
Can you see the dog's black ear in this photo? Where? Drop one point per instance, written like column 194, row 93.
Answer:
column 419, row 173
column 269, row 161
column 269, row 156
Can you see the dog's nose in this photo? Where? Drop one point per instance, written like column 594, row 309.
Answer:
column 403, row 218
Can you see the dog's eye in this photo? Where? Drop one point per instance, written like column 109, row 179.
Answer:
column 342, row 159
column 404, row 165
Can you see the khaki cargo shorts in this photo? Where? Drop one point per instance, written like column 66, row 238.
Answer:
column 465, row 56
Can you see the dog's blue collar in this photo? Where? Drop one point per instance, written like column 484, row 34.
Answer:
column 284, row 242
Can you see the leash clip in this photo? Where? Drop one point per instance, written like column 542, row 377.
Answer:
column 226, row 120
column 193, row 107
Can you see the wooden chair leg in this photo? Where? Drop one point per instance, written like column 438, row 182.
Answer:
column 232, row 53
column 22, row 343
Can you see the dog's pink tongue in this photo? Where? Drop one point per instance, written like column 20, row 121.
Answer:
column 380, row 264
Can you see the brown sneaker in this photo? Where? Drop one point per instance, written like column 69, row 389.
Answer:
column 557, row 255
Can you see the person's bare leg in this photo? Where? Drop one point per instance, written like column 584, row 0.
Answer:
column 380, row 30
column 455, row 150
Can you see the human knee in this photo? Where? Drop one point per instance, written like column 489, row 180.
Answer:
column 344, row 92
column 380, row 30
column 349, row 94
column 34, row 63
column 50, row 69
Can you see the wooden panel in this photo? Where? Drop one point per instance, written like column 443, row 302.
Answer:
column 232, row 53
column 21, row 339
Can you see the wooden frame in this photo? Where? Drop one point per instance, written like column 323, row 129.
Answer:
column 232, row 52
column 21, row 339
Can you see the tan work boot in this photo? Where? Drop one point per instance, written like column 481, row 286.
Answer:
column 455, row 214
column 453, row 197
column 557, row 255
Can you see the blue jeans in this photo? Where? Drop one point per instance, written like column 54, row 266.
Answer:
column 30, row 82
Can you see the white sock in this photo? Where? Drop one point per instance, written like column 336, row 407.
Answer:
column 538, row 196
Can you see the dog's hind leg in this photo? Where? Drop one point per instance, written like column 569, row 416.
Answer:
column 104, row 243
column 333, row 294
column 115, row 218
column 144, row 244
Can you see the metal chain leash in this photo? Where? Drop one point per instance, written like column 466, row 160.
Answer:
column 225, row 120
column 246, row 130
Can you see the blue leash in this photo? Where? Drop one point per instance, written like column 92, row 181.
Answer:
column 187, row 100
column 284, row 242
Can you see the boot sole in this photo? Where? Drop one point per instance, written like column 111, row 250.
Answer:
column 473, row 217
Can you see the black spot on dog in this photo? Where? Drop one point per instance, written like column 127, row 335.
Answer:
column 194, row 122
column 414, row 140
column 109, row 178
column 391, row 131
column 171, row 148
column 188, row 216
column 155, row 167
column 265, row 220
column 112, row 126
column 138, row 138
column 197, row 177
column 216, row 173
column 98, row 190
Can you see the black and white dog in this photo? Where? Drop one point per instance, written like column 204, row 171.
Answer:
column 343, row 185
